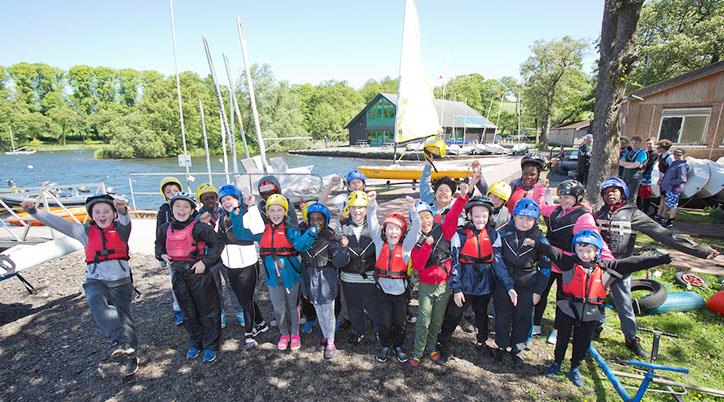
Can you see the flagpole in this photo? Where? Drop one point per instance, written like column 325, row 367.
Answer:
column 399, row 81
column 178, row 86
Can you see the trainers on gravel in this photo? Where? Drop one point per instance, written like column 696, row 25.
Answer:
column 435, row 356
column 249, row 344
column 322, row 344
column 121, row 350
column 414, row 361
column 308, row 326
column 240, row 317
column 130, row 365
column 179, row 318
column 381, row 356
column 355, row 339
column 575, row 375
column 261, row 327
column 400, row 354
column 283, row 343
column 411, row 319
column 553, row 370
column 296, row 343
column 329, row 351
column 192, row 353
column 536, row 330
column 517, row 357
column 552, row 337
column 209, row 355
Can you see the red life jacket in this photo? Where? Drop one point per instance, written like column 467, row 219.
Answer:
column 584, row 287
column 517, row 195
column 477, row 248
column 105, row 244
column 274, row 241
column 181, row 245
column 391, row 265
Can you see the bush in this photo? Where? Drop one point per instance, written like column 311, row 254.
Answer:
column 716, row 214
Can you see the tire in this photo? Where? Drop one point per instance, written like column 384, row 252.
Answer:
column 680, row 276
column 647, row 303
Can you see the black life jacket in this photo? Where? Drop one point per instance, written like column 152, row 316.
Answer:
column 514, row 254
column 616, row 229
column 320, row 255
column 362, row 252
column 560, row 229
column 440, row 248
column 664, row 162
column 227, row 233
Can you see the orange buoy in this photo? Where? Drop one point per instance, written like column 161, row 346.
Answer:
column 716, row 303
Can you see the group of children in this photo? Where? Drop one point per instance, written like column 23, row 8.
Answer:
column 461, row 250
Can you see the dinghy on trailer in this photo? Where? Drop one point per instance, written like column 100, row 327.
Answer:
column 697, row 178
column 22, row 257
column 715, row 185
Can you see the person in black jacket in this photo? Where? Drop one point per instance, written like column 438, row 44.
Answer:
column 169, row 186
column 189, row 248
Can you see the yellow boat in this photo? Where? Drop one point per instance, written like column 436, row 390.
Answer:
column 79, row 213
column 408, row 172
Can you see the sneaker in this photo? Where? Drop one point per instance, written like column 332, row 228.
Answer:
column 435, row 356
column 499, row 355
column 634, row 345
column 283, row 343
column 414, row 362
column 444, row 351
column 273, row 323
column 130, row 365
column 179, row 318
column 411, row 319
column 330, row 351
column 553, row 370
column 536, row 330
column 192, row 353
column 308, row 326
column 322, row 344
column 121, row 350
column 668, row 224
column 517, row 357
column 209, row 355
column 381, row 356
column 296, row 343
column 552, row 337
column 355, row 339
column 261, row 327
column 249, row 343
column 400, row 354
column 575, row 375
column 240, row 317
column 223, row 320
column 597, row 332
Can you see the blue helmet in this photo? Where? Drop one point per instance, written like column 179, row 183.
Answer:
column 421, row 206
column 588, row 237
column 615, row 182
column 355, row 174
column 527, row 207
column 318, row 207
column 229, row 189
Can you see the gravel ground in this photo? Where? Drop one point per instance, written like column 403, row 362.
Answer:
column 51, row 350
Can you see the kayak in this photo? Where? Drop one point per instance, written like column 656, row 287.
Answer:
column 715, row 184
column 408, row 172
column 78, row 212
column 698, row 176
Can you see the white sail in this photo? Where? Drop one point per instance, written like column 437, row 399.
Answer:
column 416, row 115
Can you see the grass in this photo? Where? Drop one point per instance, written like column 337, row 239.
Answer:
column 76, row 146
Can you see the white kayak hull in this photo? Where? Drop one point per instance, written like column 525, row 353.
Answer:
column 715, row 184
column 25, row 256
column 698, row 176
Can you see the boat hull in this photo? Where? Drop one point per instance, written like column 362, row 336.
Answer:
column 408, row 172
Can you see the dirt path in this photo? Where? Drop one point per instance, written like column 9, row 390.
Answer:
column 51, row 350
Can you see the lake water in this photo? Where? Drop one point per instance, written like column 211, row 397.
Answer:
column 70, row 167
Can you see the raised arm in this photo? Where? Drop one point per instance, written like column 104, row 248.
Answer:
column 68, row 228
column 426, row 193
column 635, row 263
column 642, row 223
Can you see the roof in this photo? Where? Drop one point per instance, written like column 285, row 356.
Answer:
column 576, row 126
column 705, row 71
column 457, row 114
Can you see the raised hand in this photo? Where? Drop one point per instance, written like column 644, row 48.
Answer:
column 372, row 197
column 528, row 242
column 205, row 217
column 475, row 166
column 248, row 200
column 120, row 205
column 343, row 241
column 464, row 188
column 477, row 176
column 335, row 181
column 27, row 205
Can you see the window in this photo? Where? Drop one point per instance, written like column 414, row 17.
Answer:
column 684, row 126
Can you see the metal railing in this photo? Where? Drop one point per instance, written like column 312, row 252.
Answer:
column 245, row 181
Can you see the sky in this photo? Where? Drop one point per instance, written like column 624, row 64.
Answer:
column 303, row 41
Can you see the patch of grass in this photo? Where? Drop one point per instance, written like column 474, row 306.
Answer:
column 694, row 216
column 68, row 147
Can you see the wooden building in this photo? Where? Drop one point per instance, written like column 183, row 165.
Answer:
column 568, row 133
column 375, row 124
column 686, row 110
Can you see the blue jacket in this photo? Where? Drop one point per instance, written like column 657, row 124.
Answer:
column 290, row 267
column 675, row 176
column 478, row 279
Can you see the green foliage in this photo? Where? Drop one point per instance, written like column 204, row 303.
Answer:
column 372, row 87
column 676, row 36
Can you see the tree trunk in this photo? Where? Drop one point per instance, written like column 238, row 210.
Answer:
column 616, row 57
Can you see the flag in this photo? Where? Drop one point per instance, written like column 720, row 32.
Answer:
column 416, row 114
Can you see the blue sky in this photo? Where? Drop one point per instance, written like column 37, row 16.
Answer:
column 303, row 41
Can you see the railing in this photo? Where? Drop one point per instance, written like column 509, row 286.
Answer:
column 245, row 181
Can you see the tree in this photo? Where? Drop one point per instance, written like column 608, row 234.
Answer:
column 33, row 82
column 372, row 87
column 614, row 64
column 674, row 37
column 554, row 67
column 65, row 121
column 330, row 107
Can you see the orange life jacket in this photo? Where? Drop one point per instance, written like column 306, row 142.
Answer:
column 585, row 287
column 391, row 265
column 105, row 244
column 518, row 194
column 477, row 248
column 274, row 241
column 181, row 245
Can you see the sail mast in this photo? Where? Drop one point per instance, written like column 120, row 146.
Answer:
column 178, row 85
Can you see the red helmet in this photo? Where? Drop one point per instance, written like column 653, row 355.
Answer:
column 398, row 219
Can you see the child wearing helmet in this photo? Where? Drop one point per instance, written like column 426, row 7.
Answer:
column 563, row 221
column 319, row 273
column 108, row 281
column 392, row 254
column 477, row 266
column 239, row 225
column 357, row 259
column 437, row 193
column 267, row 186
column 354, row 180
column 585, row 280
column 278, row 247
column 432, row 259
column 499, row 193
column 190, row 248
column 169, row 186
column 210, row 213
column 528, row 185
column 529, row 271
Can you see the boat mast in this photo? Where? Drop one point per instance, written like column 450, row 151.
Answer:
column 399, row 81
column 252, row 98
column 206, row 141
column 222, row 110
column 178, row 87
column 235, row 105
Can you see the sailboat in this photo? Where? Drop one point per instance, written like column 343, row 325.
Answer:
column 18, row 151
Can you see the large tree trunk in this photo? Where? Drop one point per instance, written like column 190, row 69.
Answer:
column 616, row 57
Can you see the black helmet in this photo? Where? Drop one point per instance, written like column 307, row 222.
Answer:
column 479, row 201
column 535, row 159
column 98, row 198
column 445, row 180
column 571, row 187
